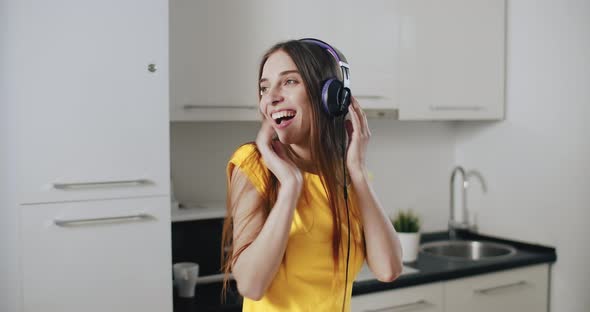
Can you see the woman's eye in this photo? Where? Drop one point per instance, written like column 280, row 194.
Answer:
column 263, row 90
column 291, row 81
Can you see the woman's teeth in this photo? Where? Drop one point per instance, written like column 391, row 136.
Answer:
column 282, row 115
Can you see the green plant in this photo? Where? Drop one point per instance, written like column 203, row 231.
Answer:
column 406, row 222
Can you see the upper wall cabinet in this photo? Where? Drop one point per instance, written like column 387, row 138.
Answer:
column 215, row 50
column 427, row 59
column 367, row 33
column 451, row 59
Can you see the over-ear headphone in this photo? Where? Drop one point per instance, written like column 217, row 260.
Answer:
column 335, row 93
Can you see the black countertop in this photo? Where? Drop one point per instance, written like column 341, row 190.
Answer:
column 434, row 269
column 431, row 269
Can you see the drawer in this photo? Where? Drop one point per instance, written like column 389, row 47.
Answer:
column 418, row 298
column 523, row 289
column 108, row 255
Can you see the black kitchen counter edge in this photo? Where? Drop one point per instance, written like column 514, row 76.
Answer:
column 431, row 269
column 436, row 269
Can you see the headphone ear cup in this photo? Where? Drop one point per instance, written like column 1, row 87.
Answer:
column 332, row 94
column 344, row 100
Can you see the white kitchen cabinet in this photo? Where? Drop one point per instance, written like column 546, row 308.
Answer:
column 451, row 59
column 107, row 255
column 427, row 297
column 521, row 289
column 516, row 290
column 88, row 94
column 215, row 50
column 367, row 33
column 432, row 60
column 427, row 59
column 92, row 112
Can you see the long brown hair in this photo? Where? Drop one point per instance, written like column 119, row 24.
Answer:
column 315, row 65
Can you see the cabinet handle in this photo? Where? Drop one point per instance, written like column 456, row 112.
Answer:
column 63, row 186
column 73, row 222
column 187, row 107
column 369, row 97
column 485, row 291
column 419, row 303
column 455, row 108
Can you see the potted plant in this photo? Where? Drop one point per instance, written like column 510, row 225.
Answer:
column 407, row 226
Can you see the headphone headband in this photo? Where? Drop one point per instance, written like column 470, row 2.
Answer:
column 339, row 57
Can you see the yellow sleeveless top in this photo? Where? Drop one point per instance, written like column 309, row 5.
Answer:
column 305, row 280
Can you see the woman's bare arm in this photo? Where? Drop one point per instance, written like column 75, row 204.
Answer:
column 384, row 253
column 257, row 265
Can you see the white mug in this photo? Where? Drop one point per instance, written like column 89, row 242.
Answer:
column 185, row 278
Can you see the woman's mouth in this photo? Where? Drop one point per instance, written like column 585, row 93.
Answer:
column 283, row 118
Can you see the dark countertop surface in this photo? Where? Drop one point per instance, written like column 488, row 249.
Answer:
column 431, row 269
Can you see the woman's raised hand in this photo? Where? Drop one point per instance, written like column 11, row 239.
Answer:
column 275, row 158
column 359, row 135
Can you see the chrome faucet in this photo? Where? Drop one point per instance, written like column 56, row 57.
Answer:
column 464, row 224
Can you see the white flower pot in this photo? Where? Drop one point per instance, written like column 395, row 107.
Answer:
column 410, row 243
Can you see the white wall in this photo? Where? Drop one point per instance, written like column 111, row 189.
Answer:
column 410, row 161
column 9, row 255
column 537, row 162
column 9, row 252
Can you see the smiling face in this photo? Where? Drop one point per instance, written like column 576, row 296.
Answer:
column 284, row 100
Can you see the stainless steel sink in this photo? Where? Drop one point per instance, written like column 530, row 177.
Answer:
column 467, row 250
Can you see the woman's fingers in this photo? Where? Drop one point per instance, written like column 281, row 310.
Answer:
column 265, row 134
column 364, row 127
column 274, row 154
column 264, row 141
column 354, row 118
column 349, row 129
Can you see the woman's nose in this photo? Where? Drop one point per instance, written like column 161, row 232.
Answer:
column 275, row 95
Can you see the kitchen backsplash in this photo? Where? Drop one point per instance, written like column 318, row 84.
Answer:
column 410, row 163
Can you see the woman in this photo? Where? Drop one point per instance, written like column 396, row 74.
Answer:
column 286, row 235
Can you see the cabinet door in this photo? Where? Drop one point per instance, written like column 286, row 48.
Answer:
column 215, row 50
column 366, row 32
column 452, row 59
column 418, row 298
column 108, row 255
column 93, row 114
column 508, row 291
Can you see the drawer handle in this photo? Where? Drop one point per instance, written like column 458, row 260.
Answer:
column 188, row 107
column 73, row 222
column 419, row 303
column 455, row 108
column 77, row 185
column 485, row 291
column 370, row 97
